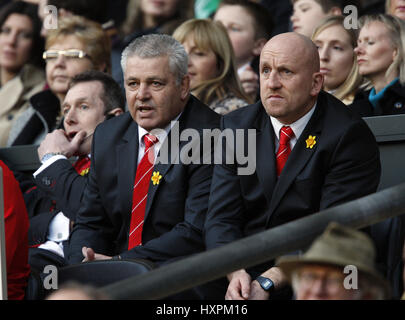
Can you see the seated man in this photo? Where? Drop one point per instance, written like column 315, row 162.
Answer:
column 93, row 96
column 339, row 265
column 311, row 153
column 134, row 207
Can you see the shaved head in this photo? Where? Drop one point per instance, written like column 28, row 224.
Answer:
column 296, row 45
column 290, row 80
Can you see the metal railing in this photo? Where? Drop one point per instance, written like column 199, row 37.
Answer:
column 250, row 251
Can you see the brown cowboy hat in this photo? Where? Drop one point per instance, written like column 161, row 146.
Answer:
column 338, row 246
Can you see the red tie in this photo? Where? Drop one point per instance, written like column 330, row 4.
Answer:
column 284, row 150
column 82, row 165
column 140, row 193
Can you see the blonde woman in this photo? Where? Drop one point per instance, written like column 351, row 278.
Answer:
column 76, row 46
column 211, row 66
column 337, row 58
column 380, row 55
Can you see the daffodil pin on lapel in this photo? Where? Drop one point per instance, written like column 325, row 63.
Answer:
column 156, row 176
column 311, row 141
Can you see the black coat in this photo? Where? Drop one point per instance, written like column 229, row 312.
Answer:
column 343, row 165
column 175, row 209
column 393, row 102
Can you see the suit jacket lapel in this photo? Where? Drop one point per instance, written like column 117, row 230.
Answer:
column 127, row 159
column 161, row 169
column 265, row 164
column 299, row 157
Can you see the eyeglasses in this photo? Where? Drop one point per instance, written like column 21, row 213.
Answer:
column 333, row 281
column 50, row 55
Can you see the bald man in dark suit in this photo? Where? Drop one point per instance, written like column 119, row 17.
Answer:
column 312, row 153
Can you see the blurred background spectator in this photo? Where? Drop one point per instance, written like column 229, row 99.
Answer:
column 380, row 55
column 249, row 27
column 319, row 273
column 76, row 46
column 337, row 58
column 20, row 62
column 145, row 17
column 211, row 65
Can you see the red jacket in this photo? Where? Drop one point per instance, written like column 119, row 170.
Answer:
column 16, row 228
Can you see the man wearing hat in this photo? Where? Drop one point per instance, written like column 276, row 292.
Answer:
column 339, row 265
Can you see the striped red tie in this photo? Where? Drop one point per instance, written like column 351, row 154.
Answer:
column 284, row 150
column 140, row 193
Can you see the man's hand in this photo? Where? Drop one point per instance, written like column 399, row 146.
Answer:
column 58, row 142
column 90, row 255
column 239, row 285
column 249, row 81
column 257, row 292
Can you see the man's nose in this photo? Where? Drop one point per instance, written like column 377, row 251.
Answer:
column 143, row 92
column 274, row 80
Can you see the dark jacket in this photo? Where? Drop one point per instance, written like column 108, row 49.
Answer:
column 393, row 102
column 175, row 209
column 343, row 165
column 38, row 120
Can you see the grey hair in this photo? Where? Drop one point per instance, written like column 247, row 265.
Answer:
column 158, row 45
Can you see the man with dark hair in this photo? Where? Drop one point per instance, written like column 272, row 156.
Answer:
column 307, row 14
column 52, row 203
column 249, row 26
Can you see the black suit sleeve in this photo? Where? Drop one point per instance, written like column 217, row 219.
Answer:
column 60, row 182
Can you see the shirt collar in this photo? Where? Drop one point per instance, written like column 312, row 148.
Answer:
column 160, row 134
column 297, row 126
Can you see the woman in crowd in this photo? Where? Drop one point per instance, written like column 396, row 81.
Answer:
column 76, row 46
column 21, row 74
column 380, row 55
column 145, row 17
column 211, row 65
column 338, row 61
column 395, row 8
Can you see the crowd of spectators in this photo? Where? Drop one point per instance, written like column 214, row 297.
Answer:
column 237, row 61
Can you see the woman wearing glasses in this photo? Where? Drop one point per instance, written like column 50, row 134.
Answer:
column 76, row 46
column 21, row 74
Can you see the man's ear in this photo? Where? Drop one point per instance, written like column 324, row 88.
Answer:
column 185, row 87
column 258, row 46
column 317, row 83
column 114, row 113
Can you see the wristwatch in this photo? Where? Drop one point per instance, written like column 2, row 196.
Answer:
column 49, row 155
column 266, row 283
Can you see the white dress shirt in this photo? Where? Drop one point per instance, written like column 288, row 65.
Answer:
column 297, row 127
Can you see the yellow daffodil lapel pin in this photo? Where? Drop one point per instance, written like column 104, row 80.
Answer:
column 311, row 141
column 156, row 176
column 84, row 172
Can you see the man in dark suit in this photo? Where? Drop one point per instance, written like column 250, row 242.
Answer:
column 311, row 153
column 176, row 197
column 56, row 192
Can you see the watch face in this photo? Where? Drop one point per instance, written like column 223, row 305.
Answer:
column 265, row 283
